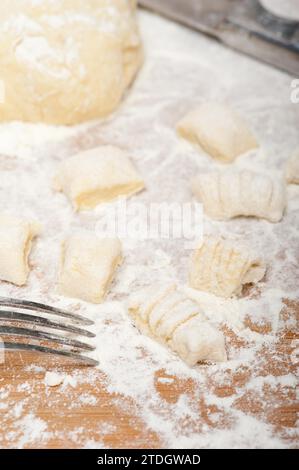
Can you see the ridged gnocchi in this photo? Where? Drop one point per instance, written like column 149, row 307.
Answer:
column 227, row 194
column 168, row 316
column 218, row 130
column 220, row 267
column 16, row 235
column 292, row 170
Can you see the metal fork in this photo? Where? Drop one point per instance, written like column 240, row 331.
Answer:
column 28, row 328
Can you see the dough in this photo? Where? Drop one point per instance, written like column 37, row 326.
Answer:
column 168, row 316
column 88, row 264
column 67, row 61
column 16, row 235
column 218, row 130
column 292, row 172
column 228, row 194
column 220, row 267
column 96, row 176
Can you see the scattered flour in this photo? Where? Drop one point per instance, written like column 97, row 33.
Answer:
column 178, row 72
column 53, row 379
column 28, row 429
column 34, row 368
column 69, row 380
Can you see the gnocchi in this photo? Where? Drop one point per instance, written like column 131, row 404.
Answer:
column 168, row 316
column 218, row 130
column 221, row 268
column 96, row 176
column 292, row 171
column 228, row 194
column 16, row 235
column 88, row 264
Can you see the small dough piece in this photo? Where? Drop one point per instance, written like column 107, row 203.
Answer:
column 292, row 171
column 16, row 235
column 222, row 268
column 227, row 194
column 97, row 176
column 197, row 341
column 218, row 130
column 178, row 323
column 52, row 379
column 88, row 264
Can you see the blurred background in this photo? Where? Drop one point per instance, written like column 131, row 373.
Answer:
column 265, row 29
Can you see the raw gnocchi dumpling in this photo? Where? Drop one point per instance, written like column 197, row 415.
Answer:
column 96, row 176
column 292, row 172
column 168, row 316
column 88, row 265
column 220, row 267
column 228, row 194
column 16, row 235
column 218, row 130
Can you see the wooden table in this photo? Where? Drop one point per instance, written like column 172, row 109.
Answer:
column 113, row 421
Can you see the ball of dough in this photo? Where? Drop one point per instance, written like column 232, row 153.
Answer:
column 64, row 62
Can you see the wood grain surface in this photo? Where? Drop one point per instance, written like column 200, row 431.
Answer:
column 113, row 421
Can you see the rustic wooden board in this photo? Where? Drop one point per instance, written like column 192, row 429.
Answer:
column 113, row 421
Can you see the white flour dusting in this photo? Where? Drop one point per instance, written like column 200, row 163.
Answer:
column 22, row 140
column 28, row 429
column 178, row 74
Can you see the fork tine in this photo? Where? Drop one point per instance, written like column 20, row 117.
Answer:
column 42, row 349
column 23, row 317
column 25, row 332
column 38, row 307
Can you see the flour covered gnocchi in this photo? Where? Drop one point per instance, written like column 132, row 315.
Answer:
column 168, row 316
column 16, row 236
column 292, row 171
column 222, row 267
column 227, row 194
column 218, row 130
column 88, row 265
column 97, row 176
